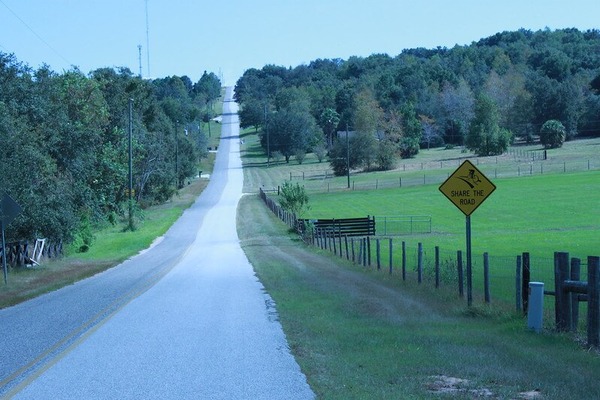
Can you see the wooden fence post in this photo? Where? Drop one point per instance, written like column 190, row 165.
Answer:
column 437, row 266
column 368, row 251
column 518, row 286
column 360, row 251
column 420, row 262
column 459, row 266
column 334, row 244
column 562, row 297
column 340, row 244
column 486, row 277
column 403, row 260
column 378, row 256
column 352, row 245
column 346, row 244
column 575, row 276
column 526, row 269
column 391, row 253
column 593, row 301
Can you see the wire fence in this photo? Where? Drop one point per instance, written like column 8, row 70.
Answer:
column 436, row 172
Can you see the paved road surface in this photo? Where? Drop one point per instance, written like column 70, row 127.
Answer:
column 185, row 320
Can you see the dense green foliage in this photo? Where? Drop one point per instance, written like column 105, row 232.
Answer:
column 552, row 134
column 430, row 97
column 293, row 198
column 64, row 143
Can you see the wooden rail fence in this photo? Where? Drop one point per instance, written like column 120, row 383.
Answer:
column 21, row 253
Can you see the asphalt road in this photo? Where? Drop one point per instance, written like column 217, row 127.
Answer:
column 187, row 319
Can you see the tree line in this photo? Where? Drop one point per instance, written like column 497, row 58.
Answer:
column 64, row 143
column 483, row 96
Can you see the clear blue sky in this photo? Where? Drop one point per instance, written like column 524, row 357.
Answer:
column 187, row 37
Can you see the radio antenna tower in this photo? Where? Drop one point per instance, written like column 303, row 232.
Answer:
column 140, row 58
column 147, row 40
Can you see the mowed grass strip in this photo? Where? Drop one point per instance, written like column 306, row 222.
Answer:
column 358, row 334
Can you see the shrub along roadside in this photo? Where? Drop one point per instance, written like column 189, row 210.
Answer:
column 358, row 334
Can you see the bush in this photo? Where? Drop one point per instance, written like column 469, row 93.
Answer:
column 552, row 134
column 293, row 198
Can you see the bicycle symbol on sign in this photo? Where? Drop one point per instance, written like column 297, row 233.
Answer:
column 472, row 179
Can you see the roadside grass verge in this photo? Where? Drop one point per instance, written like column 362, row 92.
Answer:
column 111, row 246
column 358, row 334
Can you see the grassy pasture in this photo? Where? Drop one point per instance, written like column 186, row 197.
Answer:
column 539, row 213
column 360, row 333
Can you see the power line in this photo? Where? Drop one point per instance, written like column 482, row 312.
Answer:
column 35, row 33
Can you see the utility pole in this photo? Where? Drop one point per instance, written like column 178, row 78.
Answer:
column 268, row 141
column 130, row 191
column 176, row 155
column 348, row 156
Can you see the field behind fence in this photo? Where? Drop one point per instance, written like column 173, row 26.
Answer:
column 430, row 167
column 541, row 206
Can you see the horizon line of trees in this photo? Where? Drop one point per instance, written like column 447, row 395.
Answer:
column 64, row 143
column 483, row 96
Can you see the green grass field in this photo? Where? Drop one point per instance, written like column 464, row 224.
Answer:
column 537, row 213
column 360, row 334
column 364, row 334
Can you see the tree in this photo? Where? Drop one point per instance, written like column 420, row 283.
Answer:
column 412, row 132
column 458, row 110
column 552, row 134
column 344, row 154
column 329, row 120
column 252, row 113
column 209, row 85
column 485, row 136
column 289, row 131
column 294, row 198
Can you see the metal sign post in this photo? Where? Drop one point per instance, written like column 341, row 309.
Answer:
column 467, row 188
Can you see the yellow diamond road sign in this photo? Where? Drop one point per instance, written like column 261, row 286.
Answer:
column 467, row 188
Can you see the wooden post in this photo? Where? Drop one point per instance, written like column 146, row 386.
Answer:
column 525, row 281
column 420, row 263
column 334, row 244
column 391, row 253
column 437, row 266
column 378, row 253
column 486, row 277
column 368, row 254
column 352, row 246
column 346, row 245
column 518, row 286
column 459, row 266
column 360, row 251
column 403, row 260
column 562, row 297
column 575, row 276
column 593, row 319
